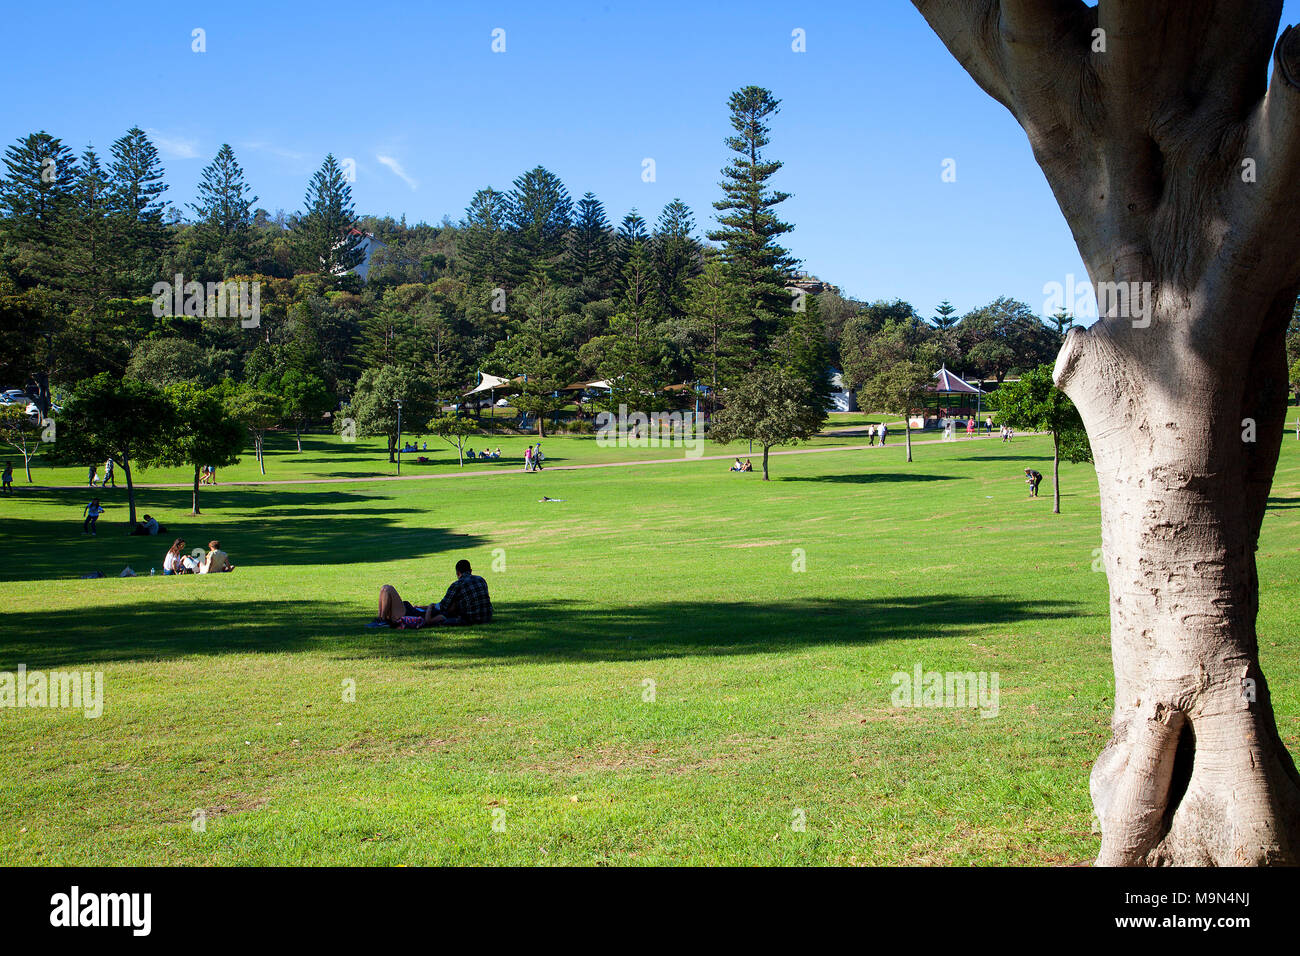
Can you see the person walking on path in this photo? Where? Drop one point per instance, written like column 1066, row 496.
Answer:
column 528, row 459
column 108, row 475
column 871, row 435
column 8, row 478
column 884, row 431
column 92, row 476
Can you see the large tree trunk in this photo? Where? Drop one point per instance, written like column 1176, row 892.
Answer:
column 1175, row 165
column 194, row 498
column 1195, row 773
column 130, row 490
column 766, row 449
column 1056, row 473
column 907, row 434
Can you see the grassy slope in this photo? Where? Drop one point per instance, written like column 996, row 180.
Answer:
column 772, row 687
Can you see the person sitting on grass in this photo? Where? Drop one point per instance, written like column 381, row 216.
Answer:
column 736, row 465
column 150, row 525
column 466, row 602
column 176, row 561
column 216, row 560
column 749, row 465
column 496, row 452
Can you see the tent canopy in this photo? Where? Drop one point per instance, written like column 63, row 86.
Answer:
column 488, row 382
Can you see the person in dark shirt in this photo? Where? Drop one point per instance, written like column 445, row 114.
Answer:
column 1033, row 479
column 466, row 602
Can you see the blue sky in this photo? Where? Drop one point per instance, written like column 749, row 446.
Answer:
column 413, row 93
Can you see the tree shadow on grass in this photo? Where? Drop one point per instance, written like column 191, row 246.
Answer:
column 1283, row 504
column 251, row 526
column 557, row 631
column 873, row 477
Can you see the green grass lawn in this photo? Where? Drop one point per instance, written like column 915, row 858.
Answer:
column 325, row 456
column 771, row 686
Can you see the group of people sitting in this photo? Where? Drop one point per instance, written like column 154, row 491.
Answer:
column 483, row 455
column 213, row 561
column 466, row 602
column 746, row 465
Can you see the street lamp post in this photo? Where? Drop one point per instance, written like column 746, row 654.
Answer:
column 399, row 437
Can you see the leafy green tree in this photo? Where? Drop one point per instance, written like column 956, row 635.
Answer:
column 454, row 430
column 537, row 350
column 166, row 361
column 770, row 407
column 804, row 350
column 373, row 409
column 748, row 225
column 1003, row 336
column 717, row 328
column 892, row 368
column 1034, row 402
column 258, row 411
column 21, row 433
column 203, row 432
column 112, row 417
column 303, row 396
column 323, row 236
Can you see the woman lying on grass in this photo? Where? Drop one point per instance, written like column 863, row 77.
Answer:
column 466, row 602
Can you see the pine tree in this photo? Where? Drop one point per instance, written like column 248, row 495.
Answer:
column 224, row 201
column 484, row 241
column 325, row 240
column 676, row 257
column 719, row 331
column 136, row 182
column 632, row 230
column 136, row 174
column 945, row 316
column 89, row 235
column 541, row 214
column 591, row 249
column 749, row 228
column 36, row 191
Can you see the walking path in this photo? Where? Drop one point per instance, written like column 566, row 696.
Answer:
column 897, row 443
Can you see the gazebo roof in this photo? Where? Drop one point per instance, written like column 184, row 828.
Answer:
column 947, row 383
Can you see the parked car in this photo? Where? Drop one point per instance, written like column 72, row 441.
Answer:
column 11, row 396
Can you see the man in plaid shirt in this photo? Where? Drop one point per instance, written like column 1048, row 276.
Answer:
column 466, row 601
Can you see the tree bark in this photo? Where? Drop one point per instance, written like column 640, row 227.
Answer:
column 766, row 449
column 1056, row 473
column 130, row 489
column 907, row 435
column 1195, row 773
column 1175, row 166
column 194, row 500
